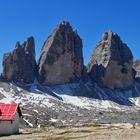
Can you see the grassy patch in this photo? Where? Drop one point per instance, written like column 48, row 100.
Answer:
column 63, row 126
column 114, row 127
column 57, row 138
column 79, row 126
column 92, row 125
column 83, row 131
column 65, row 132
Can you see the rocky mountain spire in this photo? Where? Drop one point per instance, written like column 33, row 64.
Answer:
column 136, row 66
column 111, row 63
column 61, row 59
column 20, row 66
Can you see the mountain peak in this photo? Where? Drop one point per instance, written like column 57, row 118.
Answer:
column 61, row 59
column 111, row 62
column 64, row 23
column 20, row 66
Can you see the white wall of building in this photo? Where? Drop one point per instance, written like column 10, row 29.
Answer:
column 8, row 128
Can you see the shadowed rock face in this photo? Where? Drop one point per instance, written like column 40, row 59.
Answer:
column 20, row 66
column 136, row 66
column 111, row 63
column 7, row 66
column 61, row 59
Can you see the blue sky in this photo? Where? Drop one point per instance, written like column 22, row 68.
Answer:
column 20, row 19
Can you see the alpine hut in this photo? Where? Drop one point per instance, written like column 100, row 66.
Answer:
column 9, row 119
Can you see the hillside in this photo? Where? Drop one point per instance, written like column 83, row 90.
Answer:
column 72, row 103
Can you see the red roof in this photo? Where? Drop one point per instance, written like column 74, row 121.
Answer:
column 7, row 111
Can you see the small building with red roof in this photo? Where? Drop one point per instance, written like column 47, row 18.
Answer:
column 9, row 119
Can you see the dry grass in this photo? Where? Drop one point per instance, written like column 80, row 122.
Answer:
column 88, row 132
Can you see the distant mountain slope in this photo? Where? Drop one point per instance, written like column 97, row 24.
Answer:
column 71, row 103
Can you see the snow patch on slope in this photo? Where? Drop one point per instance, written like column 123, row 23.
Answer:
column 36, row 97
column 7, row 99
column 25, row 98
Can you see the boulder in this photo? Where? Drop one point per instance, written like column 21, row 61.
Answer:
column 111, row 63
column 61, row 59
column 20, row 65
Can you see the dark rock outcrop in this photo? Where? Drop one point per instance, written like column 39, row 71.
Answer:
column 136, row 66
column 20, row 66
column 61, row 59
column 111, row 63
column 7, row 66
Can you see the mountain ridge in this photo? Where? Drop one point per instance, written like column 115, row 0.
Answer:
column 59, row 89
column 61, row 61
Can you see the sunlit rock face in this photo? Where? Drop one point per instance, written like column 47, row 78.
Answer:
column 111, row 63
column 20, row 65
column 136, row 66
column 61, row 59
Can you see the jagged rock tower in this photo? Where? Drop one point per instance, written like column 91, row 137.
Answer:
column 111, row 63
column 20, row 66
column 61, row 59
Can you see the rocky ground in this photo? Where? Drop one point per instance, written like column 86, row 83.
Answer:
column 85, row 132
column 51, row 106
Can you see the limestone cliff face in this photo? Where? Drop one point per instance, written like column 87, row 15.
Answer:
column 61, row 59
column 20, row 66
column 7, row 66
column 111, row 63
column 136, row 66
